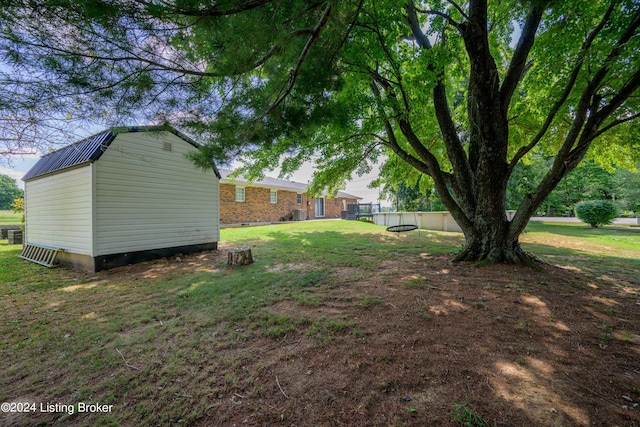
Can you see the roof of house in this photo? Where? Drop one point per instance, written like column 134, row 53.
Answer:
column 269, row 182
column 90, row 149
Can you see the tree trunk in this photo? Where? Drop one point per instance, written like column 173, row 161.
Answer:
column 490, row 242
column 492, row 238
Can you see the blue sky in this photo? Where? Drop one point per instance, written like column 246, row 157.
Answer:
column 358, row 186
column 19, row 166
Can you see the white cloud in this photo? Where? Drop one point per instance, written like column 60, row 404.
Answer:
column 357, row 187
column 18, row 167
column 17, row 175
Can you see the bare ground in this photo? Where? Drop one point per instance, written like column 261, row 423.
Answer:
column 557, row 347
column 521, row 347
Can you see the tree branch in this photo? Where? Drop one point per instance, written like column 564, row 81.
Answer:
column 586, row 45
column 464, row 177
column 439, row 179
column 293, row 74
column 275, row 47
column 616, row 123
column 352, row 24
column 115, row 59
column 519, row 59
column 448, row 18
column 589, row 102
column 392, row 142
column 214, row 11
column 594, row 121
column 570, row 154
column 458, row 8
column 428, row 164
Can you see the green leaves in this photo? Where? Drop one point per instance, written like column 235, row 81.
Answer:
column 9, row 192
column 596, row 212
column 460, row 91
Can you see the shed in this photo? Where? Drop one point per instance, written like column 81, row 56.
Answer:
column 122, row 196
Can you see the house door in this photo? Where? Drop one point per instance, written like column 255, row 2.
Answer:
column 319, row 207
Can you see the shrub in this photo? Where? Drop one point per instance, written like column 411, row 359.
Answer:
column 596, row 212
column 18, row 205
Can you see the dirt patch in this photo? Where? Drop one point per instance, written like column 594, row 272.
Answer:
column 520, row 347
column 204, row 261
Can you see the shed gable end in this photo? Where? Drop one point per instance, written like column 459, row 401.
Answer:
column 148, row 197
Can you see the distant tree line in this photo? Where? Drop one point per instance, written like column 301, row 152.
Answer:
column 589, row 181
column 9, row 191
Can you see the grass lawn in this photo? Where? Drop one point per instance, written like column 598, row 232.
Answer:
column 10, row 218
column 336, row 323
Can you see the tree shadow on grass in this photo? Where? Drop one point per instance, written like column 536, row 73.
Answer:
column 554, row 347
column 407, row 334
column 605, row 267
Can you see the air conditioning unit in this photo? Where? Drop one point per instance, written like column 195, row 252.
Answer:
column 299, row 215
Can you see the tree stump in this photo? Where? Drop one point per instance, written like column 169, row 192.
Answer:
column 240, row 256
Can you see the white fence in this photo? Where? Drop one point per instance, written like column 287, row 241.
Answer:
column 442, row 221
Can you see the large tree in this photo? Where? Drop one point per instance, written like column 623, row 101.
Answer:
column 459, row 91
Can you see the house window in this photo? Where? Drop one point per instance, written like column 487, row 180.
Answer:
column 299, row 199
column 239, row 194
column 336, row 202
column 273, row 196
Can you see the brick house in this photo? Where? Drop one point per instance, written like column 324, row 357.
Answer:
column 273, row 200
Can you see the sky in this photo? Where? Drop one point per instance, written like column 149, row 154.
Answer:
column 358, row 186
column 18, row 167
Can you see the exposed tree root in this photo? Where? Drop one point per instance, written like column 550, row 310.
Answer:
column 512, row 255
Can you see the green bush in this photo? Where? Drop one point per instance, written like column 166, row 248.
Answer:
column 596, row 212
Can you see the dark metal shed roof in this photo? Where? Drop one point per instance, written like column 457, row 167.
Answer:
column 87, row 150
column 90, row 149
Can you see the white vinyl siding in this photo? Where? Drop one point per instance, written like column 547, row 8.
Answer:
column 150, row 198
column 59, row 210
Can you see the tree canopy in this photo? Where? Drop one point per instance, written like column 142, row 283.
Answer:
column 459, row 91
column 9, row 191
